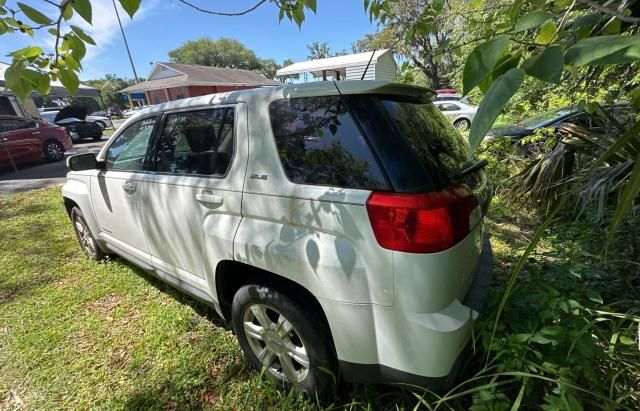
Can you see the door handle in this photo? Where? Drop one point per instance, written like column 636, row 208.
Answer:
column 209, row 199
column 129, row 188
column 35, row 133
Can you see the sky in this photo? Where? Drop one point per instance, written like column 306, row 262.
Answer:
column 163, row 25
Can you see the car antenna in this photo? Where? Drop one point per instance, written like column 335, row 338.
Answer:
column 367, row 68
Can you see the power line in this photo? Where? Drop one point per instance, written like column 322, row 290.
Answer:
column 124, row 37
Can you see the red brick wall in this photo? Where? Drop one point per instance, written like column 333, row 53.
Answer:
column 157, row 96
column 201, row 90
column 178, row 93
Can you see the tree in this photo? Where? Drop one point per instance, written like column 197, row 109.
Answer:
column 223, row 52
column 34, row 67
column 110, row 87
column 318, row 51
column 268, row 68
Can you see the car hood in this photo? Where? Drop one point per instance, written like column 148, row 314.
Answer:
column 76, row 112
column 510, row 130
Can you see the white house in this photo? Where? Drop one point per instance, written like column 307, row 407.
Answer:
column 382, row 66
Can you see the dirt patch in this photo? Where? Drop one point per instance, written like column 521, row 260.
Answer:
column 105, row 305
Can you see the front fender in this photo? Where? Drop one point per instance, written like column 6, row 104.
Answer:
column 78, row 190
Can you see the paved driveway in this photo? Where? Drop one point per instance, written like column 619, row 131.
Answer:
column 42, row 174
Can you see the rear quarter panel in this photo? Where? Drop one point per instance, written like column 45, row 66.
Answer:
column 319, row 237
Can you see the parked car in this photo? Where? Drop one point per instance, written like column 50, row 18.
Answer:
column 460, row 114
column 130, row 112
column 337, row 226
column 72, row 118
column 101, row 120
column 23, row 140
column 552, row 118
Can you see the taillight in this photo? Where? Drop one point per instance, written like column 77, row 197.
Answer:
column 423, row 223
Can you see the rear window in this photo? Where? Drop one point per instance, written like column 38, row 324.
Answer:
column 319, row 143
column 419, row 148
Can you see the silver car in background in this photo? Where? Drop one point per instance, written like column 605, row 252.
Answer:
column 460, row 113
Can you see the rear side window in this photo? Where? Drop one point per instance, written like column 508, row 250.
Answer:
column 320, row 144
column 420, row 149
column 197, row 142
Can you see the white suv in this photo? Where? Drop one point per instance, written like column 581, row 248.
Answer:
column 338, row 225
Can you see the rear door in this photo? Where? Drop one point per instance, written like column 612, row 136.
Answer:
column 194, row 194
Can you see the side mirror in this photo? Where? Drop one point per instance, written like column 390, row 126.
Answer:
column 86, row 161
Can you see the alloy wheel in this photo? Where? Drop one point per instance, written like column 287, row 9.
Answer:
column 84, row 237
column 276, row 343
column 55, row 151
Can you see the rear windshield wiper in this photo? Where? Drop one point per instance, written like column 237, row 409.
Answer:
column 473, row 168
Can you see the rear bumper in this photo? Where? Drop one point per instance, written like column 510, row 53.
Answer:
column 414, row 348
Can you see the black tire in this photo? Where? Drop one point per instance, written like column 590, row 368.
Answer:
column 462, row 124
column 307, row 331
column 87, row 241
column 53, row 150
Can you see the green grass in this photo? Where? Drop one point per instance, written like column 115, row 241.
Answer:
column 79, row 334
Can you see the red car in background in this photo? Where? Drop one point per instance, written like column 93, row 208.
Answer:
column 23, row 140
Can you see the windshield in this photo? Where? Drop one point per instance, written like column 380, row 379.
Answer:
column 547, row 118
column 418, row 146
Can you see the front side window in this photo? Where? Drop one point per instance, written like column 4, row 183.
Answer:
column 319, row 143
column 129, row 149
column 196, row 142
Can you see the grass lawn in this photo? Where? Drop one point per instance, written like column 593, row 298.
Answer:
column 79, row 334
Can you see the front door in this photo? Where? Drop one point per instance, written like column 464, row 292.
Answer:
column 196, row 191
column 19, row 141
column 116, row 191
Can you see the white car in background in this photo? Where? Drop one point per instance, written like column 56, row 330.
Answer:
column 460, row 113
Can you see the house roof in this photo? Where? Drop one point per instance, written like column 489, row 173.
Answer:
column 177, row 75
column 331, row 63
column 57, row 89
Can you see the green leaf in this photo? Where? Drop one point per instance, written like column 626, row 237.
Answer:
column 480, row 62
column 67, row 12
column 34, row 15
column 82, row 35
column 505, row 64
column 631, row 191
column 32, row 76
column 546, row 66
column 595, row 297
column 437, row 5
column 587, row 20
column 3, row 28
column 311, row 4
column 130, row 6
column 69, row 80
column 626, row 340
column 27, row 52
column 497, row 96
column 83, row 8
column 608, row 50
column 613, row 26
column 44, row 85
column 547, row 33
column 532, row 20
column 14, row 81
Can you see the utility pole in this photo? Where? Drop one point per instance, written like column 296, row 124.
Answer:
column 135, row 75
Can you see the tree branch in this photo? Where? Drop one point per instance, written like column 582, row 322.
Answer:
column 219, row 13
column 611, row 12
